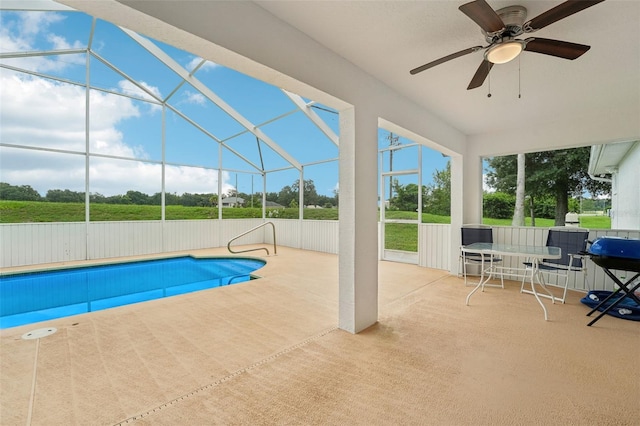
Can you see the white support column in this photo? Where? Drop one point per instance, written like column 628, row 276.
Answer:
column 358, row 257
column 472, row 184
column 466, row 184
column 458, row 164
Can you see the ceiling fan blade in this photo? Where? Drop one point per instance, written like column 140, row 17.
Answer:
column 445, row 59
column 557, row 13
column 480, row 75
column 560, row 49
column 483, row 15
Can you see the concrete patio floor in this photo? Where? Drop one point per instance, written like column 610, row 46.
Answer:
column 269, row 351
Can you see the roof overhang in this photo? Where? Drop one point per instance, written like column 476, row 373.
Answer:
column 605, row 159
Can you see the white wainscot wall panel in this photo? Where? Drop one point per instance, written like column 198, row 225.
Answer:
column 434, row 246
column 191, row 234
column 315, row 235
column 231, row 228
column 115, row 239
column 287, row 232
column 320, row 235
column 32, row 243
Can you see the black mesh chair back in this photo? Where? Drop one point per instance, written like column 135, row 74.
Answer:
column 570, row 242
column 476, row 235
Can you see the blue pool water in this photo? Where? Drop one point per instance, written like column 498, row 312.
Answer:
column 31, row 297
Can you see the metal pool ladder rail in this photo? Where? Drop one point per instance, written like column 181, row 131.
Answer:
column 259, row 248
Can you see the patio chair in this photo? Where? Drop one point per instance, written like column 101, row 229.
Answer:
column 572, row 242
column 475, row 233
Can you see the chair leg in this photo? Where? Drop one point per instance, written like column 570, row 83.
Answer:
column 566, row 284
column 524, row 277
column 542, row 283
column 464, row 271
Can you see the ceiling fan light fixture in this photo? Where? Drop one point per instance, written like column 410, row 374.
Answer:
column 504, row 52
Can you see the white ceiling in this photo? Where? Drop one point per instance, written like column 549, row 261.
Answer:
column 388, row 38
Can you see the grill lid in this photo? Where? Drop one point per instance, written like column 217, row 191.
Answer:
column 624, row 248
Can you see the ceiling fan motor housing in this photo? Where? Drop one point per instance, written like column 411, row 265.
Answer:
column 513, row 18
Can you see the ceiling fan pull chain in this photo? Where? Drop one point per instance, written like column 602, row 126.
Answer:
column 489, row 75
column 519, row 89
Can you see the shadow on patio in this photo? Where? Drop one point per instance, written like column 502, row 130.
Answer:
column 269, row 352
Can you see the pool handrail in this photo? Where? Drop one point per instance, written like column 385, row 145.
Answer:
column 275, row 250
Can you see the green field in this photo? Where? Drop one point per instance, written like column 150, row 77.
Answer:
column 36, row 211
column 398, row 236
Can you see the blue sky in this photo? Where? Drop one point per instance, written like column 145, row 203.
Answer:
column 126, row 133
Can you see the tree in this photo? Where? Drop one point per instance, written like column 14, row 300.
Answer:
column 310, row 195
column 97, row 198
column 18, row 193
column 405, row 198
column 557, row 174
column 196, row 200
column 285, row 196
column 326, row 201
column 271, row 196
column 169, row 199
column 498, row 205
column 518, row 213
column 437, row 198
column 64, row 196
column 139, row 198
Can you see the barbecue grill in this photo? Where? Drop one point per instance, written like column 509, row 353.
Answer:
column 621, row 254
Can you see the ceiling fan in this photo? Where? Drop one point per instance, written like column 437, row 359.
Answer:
column 501, row 27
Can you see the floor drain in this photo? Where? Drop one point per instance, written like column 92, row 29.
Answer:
column 41, row 332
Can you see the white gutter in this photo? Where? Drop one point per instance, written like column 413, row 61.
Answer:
column 594, row 158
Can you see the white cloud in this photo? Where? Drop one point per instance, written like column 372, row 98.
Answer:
column 189, row 97
column 33, row 23
column 207, row 66
column 59, row 43
column 49, row 114
column 40, row 112
column 37, row 112
column 181, row 179
column 107, row 175
column 25, row 30
column 129, row 88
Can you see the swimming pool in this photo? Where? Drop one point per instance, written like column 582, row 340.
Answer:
column 31, row 297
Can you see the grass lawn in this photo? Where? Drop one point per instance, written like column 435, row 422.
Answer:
column 401, row 236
